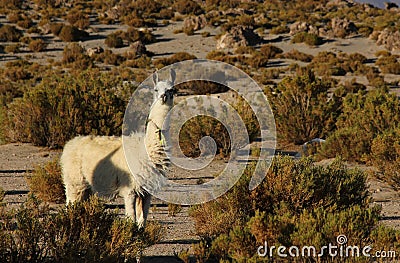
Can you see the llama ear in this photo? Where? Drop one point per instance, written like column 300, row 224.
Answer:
column 155, row 78
column 172, row 75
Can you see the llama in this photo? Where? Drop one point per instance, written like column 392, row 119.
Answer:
column 97, row 164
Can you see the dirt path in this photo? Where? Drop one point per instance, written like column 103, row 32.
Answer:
column 17, row 160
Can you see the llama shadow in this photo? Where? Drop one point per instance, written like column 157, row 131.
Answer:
column 106, row 166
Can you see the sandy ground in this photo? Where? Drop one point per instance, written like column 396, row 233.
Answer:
column 17, row 161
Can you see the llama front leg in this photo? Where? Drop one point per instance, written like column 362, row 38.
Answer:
column 142, row 209
column 77, row 193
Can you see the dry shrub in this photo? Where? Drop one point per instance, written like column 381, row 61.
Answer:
column 308, row 38
column 132, row 35
column 389, row 64
column 75, row 56
column 2, row 194
column 70, row 33
column 187, row 7
column 78, row 18
column 80, row 232
column 37, row 45
column 25, row 22
column 174, row 209
column 140, row 62
column 46, row 182
column 108, row 57
column 9, row 33
column 202, row 87
column 270, row 51
column 297, row 55
column 200, row 126
column 385, row 155
column 177, row 57
column 55, row 28
column 114, row 40
column 12, row 49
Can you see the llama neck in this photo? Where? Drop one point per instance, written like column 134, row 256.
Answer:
column 154, row 139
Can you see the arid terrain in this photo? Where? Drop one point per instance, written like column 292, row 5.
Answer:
column 17, row 160
column 202, row 40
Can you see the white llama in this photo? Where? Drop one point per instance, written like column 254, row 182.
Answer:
column 97, row 164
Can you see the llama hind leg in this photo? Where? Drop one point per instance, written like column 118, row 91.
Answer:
column 142, row 207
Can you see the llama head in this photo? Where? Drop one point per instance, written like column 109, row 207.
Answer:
column 164, row 90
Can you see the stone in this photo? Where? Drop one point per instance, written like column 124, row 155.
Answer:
column 239, row 36
column 195, row 22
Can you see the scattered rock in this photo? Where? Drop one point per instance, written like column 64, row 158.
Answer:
column 303, row 27
column 389, row 6
column 389, row 39
column 137, row 49
column 340, row 3
column 114, row 13
column 236, row 12
column 194, row 22
column 342, row 28
column 46, row 29
column 94, row 50
column 238, row 36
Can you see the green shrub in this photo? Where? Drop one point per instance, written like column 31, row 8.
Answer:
column 308, row 38
column 46, row 182
column 37, row 45
column 365, row 116
column 60, row 108
column 82, row 232
column 302, row 108
column 9, row 33
column 298, row 204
